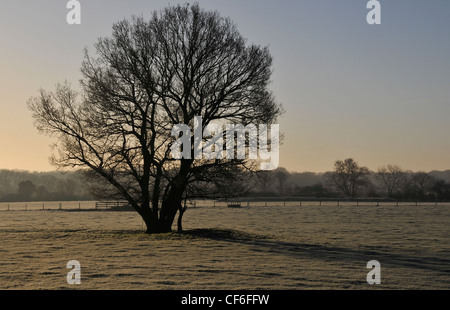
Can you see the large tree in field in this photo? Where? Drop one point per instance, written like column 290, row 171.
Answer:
column 149, row 76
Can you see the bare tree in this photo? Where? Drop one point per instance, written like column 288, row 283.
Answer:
column 422, row 183
column 391, row 177
column 281, row 175
column 264, row 181
column 348, row 177
column 144, row 79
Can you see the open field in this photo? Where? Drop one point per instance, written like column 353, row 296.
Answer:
column 274, row 247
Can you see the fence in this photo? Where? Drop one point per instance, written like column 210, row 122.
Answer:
column 314, row 202
column 111, row 205
column 48, row 206
column 336, row 202
column 247, row 202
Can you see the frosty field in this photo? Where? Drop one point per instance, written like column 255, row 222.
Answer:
column 258, row 247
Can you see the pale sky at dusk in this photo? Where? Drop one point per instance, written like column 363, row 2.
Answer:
column 377, row 93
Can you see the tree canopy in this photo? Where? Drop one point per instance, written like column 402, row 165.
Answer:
column 144, row 79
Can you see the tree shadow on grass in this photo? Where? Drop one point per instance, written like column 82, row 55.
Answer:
column 328, row 253
column 222, row 234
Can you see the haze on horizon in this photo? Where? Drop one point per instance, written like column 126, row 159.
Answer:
column 376, row 93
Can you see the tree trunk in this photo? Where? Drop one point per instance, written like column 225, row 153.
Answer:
column 151, row 221
column 180, row 216
column 169, row 209
column 163, row 223
column 171, row 204
column 180, row 222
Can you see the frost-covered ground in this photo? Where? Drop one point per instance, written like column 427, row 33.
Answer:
column 274, row 247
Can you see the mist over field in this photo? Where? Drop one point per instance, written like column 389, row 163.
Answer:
column 22, row 185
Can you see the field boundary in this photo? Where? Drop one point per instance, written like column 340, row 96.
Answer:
column 243, row 203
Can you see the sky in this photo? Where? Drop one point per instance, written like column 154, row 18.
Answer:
column 377, row 93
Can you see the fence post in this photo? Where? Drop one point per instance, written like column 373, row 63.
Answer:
column 43, row 206
column 320, row 203
column 300, row 203
column 266, row 203
column 338, row 203
column 60, row 206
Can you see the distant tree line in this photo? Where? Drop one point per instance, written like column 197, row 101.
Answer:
column 350, row 180
column 347, row 180
column 17, row 185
